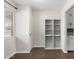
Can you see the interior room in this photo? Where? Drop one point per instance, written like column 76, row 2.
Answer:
column 38, row 29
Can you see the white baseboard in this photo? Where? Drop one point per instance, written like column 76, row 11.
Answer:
column 18, row 52
column 38, row 46
column 11, row 55
column 51, row 48
column 64, row 51
column 24, row 51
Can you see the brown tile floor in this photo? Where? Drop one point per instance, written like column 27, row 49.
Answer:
column 40, row 53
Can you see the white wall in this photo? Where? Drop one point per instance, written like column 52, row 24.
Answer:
column 10, row 8
column 39, row 25
column 70, row 39
column 68, row 4
column 70, row 19
column 22, row 30
column 39, row 29
column 9, row 43
column 9, row 48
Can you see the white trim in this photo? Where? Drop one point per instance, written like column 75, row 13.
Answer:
column 64, row 51
column 38, row 46
column 48, row 48
column 11, row 55
column 18, row 52
column 23, row 52
column 52, row 48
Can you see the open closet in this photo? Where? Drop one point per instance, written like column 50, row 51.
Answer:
column 52, row 34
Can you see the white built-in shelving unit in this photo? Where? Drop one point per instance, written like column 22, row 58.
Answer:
column 52, row 33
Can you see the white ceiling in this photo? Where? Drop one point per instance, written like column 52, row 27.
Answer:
column 41, row 4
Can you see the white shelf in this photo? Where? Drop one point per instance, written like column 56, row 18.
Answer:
column 49, row 29
column 52, row 34
column 48, row 35
column 56, row 24
column 48, row 24
column 56, row 35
